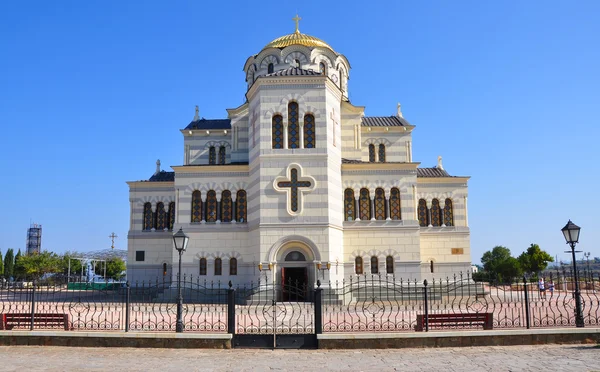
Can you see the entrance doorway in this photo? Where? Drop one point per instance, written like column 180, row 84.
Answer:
column 294, row 284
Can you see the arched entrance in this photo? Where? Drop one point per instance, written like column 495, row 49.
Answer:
column 295, row 260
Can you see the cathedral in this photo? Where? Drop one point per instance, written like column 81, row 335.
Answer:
column 299, row 184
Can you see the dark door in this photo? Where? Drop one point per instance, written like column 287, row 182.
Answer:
column 295, row 283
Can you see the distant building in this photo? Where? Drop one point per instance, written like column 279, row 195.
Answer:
column 34, row 238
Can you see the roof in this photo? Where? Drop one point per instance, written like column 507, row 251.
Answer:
column 384, row 121
column 294, row 71
column 297, row 38
column 210, row 124
column 163, row 176
column 432, row 172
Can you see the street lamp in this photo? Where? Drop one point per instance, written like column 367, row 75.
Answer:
column 181, row 242
column 571, row 233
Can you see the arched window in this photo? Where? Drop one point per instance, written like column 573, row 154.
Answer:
column 379, row 204
column 293, row 130
column 165, row 269
column 148, row 220
column 431, row 266
column 349, row 205
column 309, row 131
column 226, row 206
column 233, row 266
column 218, row 266
column 222, row 155
column 297, row 63
column 203, row 266
column 277, row 132
column 211, row 206
column 436, row 213
column 423, row 215
column 212, row 155
column 371, row 153
column 382, row 153
column 365, row 204
column 322, row 68
column 270, row 68
column 171, row 215
column 196, row 206
column 161, row 216
column 294, row 256
column 374, row 265
column 389, row 264
column 242, row 209
column 395, row 204
column 358, row 265
column 448, row 216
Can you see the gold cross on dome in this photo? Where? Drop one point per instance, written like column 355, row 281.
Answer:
column 297, row 20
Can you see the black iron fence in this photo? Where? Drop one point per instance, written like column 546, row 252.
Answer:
column 359, row 304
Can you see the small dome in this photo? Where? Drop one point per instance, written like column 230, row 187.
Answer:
column 297, row 38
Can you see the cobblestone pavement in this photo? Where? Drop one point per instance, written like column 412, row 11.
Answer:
column 495, row 358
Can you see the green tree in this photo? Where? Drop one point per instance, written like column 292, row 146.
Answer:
column 499, row 264
column 75, row 263
column 1, row 266
column 34, row 266
column 115, row 267
column 534, row 260
column 9, row 263
column 18, row 272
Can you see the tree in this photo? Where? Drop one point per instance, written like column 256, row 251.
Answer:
column 35, row 265
column 9, row 263
column 75, row 263
column 534, row 260
column 115, row 267
column 17, row 269
column 1, row 266
column 499, row 263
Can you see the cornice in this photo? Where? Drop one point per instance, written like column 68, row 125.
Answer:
column 150, row 185
column 241, row 110
column 353, row 109
column 379, row 166
column 439, row 180
column 204, row 169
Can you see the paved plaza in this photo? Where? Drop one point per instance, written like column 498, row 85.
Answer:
column 496, row 358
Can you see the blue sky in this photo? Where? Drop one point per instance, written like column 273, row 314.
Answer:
column 92, row 93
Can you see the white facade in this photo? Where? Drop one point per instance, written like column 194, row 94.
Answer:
column 298, row 123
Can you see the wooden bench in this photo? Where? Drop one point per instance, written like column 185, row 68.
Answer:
column 51, row 321
column 452, row 319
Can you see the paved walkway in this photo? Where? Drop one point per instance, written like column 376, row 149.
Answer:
column 496, row 358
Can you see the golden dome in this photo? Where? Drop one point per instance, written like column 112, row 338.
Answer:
column 297, row 38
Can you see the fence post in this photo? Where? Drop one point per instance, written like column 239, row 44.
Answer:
column 426, row 305
column 127, row 305
column 318, row 309
column 526, row 302
column 32, row 305
column 231, row 309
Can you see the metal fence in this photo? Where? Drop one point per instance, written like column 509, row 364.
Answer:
column 360, row 304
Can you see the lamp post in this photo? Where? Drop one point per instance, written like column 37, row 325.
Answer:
column 571, row 233
column 181, row 242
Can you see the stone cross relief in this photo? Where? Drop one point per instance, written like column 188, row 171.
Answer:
column 335, row 122
column 294, row 184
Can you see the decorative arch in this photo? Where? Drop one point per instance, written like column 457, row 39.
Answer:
column 289, row 243
column 270, row 59
column 436, row 213
column 161, row 217
column 395, row 206
column 241, row 206
column 293, row 127
column 364, row 203
column 148, row 220
column 277, row 132
column 196, row 206
column 422, row 212
column 309, row 131
column 379, row 204
column 211, row 206
column 448, row 213
column 349, row 205
column 293, row 52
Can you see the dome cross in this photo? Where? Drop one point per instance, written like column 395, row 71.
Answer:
column 297, row 20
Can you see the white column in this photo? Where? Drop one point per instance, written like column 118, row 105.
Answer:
column 466, row 213
column 372, row 203
column 442, row 205
column 388, row 212
column 285, row 136
column 357, row 207
column 301, row 125
column 429, row 211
